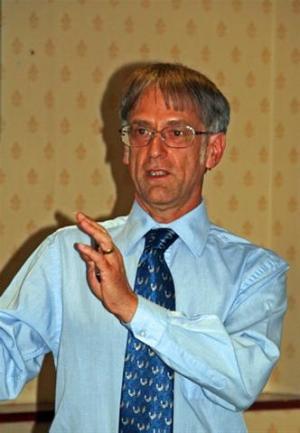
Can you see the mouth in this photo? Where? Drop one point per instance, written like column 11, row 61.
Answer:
column 157, row 173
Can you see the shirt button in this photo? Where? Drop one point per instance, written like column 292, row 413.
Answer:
column 143, row 334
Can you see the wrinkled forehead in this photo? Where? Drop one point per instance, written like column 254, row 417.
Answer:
column 174, row 99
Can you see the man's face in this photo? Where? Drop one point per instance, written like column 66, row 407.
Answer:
column 168, row 181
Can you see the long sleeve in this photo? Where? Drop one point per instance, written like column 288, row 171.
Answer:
column 222, row 340
column 30, row 319
column 228, row 360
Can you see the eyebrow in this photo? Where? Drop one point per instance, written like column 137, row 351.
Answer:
column 168, row 123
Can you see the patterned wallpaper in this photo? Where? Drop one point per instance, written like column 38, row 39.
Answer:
column 63, row 64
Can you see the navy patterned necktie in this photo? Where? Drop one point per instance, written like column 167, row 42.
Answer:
column 147, row 391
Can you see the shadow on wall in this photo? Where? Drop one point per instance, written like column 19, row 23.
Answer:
column 109, row 111
column 111, row 124
column 114, row 151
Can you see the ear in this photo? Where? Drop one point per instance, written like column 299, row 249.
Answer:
column 126, row 155
column 215, row 149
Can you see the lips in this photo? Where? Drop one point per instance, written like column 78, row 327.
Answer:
column 157, row 173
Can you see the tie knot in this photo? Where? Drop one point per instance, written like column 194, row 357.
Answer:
column 160, row 238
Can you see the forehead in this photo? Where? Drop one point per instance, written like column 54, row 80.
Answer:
column 152, row 102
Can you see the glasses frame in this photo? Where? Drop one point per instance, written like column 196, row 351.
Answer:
column 153, row 132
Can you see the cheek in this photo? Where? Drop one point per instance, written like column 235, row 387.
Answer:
column 189, row 165
column 193, row 169
column 134, row 165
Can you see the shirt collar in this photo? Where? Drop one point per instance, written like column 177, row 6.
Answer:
column 192, row 228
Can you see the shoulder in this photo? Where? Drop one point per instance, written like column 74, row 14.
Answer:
column 255, row 260
column 74, row 234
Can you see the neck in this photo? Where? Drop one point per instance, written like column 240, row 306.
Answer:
column 165, row 214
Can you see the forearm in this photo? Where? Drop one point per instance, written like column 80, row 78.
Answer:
column 230, row 367
column 30, row 319
column 21, row 356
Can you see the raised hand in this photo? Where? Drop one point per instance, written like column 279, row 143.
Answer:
column 106, row 273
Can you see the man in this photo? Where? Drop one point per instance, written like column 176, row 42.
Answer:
column 120, row 347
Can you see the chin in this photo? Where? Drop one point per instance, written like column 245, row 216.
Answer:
column 160, row 205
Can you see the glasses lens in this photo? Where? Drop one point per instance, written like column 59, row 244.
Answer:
column 135, row 135
column 174, row 136
column 139, row 135
column 178, row 136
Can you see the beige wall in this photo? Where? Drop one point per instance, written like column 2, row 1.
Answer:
column 59, row 149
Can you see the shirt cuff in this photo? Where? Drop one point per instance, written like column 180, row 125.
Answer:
column 149, row 322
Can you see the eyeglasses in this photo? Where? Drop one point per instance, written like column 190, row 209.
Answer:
column 174, row 136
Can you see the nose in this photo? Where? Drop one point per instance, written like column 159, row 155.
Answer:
column 157, row 147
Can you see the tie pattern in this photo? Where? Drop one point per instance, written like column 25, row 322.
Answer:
column 147, row 391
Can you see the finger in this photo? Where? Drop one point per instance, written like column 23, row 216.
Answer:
column 89, row 254
column 96, row 231
column 87, row 222
column 93, row 276
column 84, row 257
column 93, row 272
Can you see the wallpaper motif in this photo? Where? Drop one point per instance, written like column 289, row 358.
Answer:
column 62, row 71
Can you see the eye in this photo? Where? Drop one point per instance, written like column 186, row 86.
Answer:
column 177, row 132
column 139, row 131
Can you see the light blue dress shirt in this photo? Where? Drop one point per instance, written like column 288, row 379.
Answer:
column 222, row 340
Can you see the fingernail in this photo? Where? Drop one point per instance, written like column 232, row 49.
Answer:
column 80, row 247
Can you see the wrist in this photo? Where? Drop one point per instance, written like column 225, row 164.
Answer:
column 127, row 309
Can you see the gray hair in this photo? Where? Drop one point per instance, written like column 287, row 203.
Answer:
column 180, row 87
